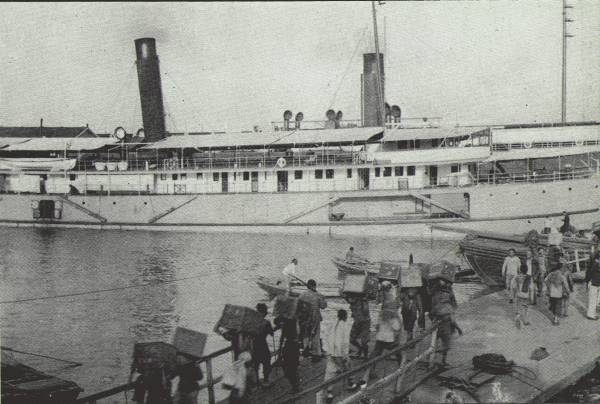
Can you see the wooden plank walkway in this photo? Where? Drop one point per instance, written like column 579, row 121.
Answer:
column 314, row 373
column 489, row 326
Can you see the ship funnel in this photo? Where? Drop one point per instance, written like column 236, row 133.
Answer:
column 372, row 104
column 153, row 114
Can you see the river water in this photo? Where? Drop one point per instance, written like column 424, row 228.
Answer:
column 99, row 329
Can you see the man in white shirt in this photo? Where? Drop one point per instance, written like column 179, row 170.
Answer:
column 290, row 272
column 510, row 269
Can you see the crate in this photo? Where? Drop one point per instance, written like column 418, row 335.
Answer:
column 240, row 319
column 154, row 355
column 189, row 342
column 355, row 283
column 285, row 307
column 389, row 271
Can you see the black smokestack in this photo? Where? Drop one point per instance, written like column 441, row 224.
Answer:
column 372, row 104
column 153, row 114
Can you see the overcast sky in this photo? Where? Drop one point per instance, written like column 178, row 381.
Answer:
column 235, row 65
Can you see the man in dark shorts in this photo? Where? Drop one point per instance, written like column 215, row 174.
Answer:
column 361, row 328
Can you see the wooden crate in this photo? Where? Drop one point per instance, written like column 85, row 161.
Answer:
column 355, row 283
column 189, row 342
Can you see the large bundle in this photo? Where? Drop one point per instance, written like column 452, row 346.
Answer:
column 411, row 276
column 442, row 269
column 148, row 356
column 285, row 307
column 239, row 319
column 389, row 271
column 189, row 342
column 355, row 284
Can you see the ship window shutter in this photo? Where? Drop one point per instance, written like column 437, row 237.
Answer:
column 183, row 176
column 298, row 174
column 199, row 176
column 399, row 171
column 410, row 170
column 387, row 171
column 454, row 168
column 349, row 173
column 174, row 177
column 163, row 177
column 329, row 174
column 318, row 174
column 215, row 176
column 246, row 175
column 377, row 172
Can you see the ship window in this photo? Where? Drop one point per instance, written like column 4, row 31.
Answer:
column 410, row 170
column 318, row 174
column 72, row 177
column 387, row 171
column 402, row 144
column 199, row 176
column 399, row 171
column 182, row 176
column 435, row 143
column 174, row 176
column 349, row 173
column 246, row 176
column 235, row 176
column 329, row 174
column 215, row 176
column 163, row 177
column 265, row 175
column 377, row 171
column 417, row 143
column 298, row 174
column 454, row 168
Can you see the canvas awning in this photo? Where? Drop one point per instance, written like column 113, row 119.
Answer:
column 444, row 155
column 272, row 139
column 541, row 152
column 430, row 133
column 546, row 135
column 61, row 143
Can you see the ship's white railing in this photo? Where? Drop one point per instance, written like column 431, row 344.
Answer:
column 534, row 177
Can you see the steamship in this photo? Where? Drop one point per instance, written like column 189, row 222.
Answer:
column 383, row 174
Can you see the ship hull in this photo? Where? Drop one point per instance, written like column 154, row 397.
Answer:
column 506, row 208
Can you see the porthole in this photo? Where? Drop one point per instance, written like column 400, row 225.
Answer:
column 114, row 203
column 543, row 191
column 145, row 203
column 570, row 189
column 83, row 203
column 516, row 193
column 491, row 194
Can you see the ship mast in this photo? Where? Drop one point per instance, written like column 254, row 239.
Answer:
column 565, row 35
column 380, row 104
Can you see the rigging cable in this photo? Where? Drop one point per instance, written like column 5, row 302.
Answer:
column 89, row 292
column 346, row 71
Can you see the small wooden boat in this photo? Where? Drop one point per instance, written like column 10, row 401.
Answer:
column 22, row 384
column 274, row 289
column 485, row 252
column 357, row 267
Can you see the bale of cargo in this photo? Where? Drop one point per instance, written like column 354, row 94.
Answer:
column 148, row 356
column 355, row 284
column 239, row 319
column 189, row 342
column 442, row 269
column 411, row 276
column 285, row 307
column 389, row 271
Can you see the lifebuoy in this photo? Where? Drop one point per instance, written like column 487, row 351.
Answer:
column 281, row 162
column 527, row 145
column 579, row 143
